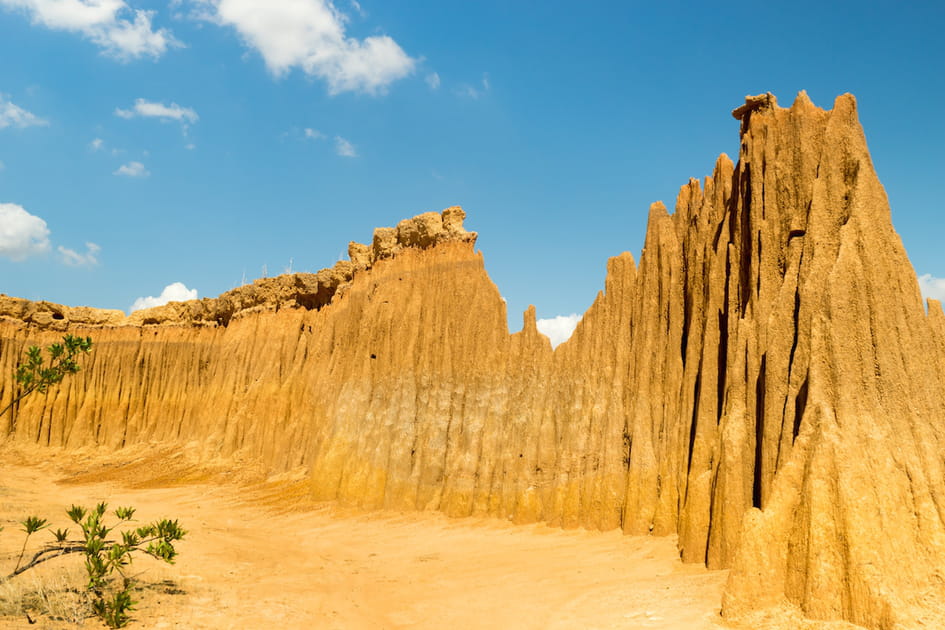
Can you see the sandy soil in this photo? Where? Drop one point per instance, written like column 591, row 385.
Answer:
column 249, row 563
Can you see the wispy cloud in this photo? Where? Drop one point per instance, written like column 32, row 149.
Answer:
column 97, row 144
column 132, row 169
column 345, row 148
column 120, row 31
column 558, row 329
column 12, row 115
column 165, row 113
column 21, row 234
column 174, row 292
column 310, row 35
column 75, row 259
column 475, row 91
column 357, row 8
column 433, row 80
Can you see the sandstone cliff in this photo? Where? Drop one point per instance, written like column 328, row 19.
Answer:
column 766, row 383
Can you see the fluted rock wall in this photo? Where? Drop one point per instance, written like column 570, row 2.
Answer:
column 766, row 383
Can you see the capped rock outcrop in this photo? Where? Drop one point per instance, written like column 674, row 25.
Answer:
column 766, row 383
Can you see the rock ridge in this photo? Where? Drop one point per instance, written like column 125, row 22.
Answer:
column 293, row 290
column 765, row 383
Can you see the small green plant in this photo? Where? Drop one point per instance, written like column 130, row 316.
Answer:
column 36, row 374
column 106, row 556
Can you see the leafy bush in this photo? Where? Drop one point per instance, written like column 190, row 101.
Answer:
column 107, row 556
column 36, row 374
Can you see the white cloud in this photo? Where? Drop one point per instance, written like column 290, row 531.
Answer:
column 174, row 292
column 97, row 144
column 313, row 134
column 558, row 329
column 75, row 259
column 310, row 35
column 932, row 287
column 12, row 115
column 149, row 109
column 345, row 148
column 132, row 169
column 119, row 30
column 433, row 80
column 21, row 234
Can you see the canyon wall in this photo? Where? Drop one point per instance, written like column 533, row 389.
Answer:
column 766, row 383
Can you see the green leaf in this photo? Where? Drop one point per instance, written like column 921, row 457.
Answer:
column 33, row 524
column 76, row 513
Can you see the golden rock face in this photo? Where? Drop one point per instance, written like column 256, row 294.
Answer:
column 766, row 383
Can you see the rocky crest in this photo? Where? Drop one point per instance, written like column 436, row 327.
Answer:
column 295, row 290
column 766, row 383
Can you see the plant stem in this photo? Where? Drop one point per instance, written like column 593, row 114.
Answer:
column 17, row 399
column 50, row 553
column 22, row 551
column 39, row 559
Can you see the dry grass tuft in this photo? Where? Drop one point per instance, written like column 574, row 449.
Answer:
column 55, row 596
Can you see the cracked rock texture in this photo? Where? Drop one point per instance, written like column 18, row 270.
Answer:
column 766, row 383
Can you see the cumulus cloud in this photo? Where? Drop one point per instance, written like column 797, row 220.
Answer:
column 174, row 292
column 12, row 115
column 21, row 234
column 558, row 329
column 120, row 31
column 433, row 80
column 132, row 169
column 313, row 134
column 345, row 148
column 932, row 287
column 75, row 259
column 165, row 113
column 310, row 35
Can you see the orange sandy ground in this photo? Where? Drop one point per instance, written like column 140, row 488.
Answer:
column 258, row 556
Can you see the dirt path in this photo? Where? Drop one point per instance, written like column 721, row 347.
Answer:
column 244, row 566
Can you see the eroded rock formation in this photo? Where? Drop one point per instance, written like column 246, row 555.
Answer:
column 766, row 383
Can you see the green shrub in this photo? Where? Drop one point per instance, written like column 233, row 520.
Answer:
column 107, row 554
column 36, row 374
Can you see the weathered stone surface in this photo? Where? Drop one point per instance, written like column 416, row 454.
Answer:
column 56, row 316
column 360, row 255
column 766, row 383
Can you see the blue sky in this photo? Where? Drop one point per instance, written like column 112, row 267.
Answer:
column 206, row 141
